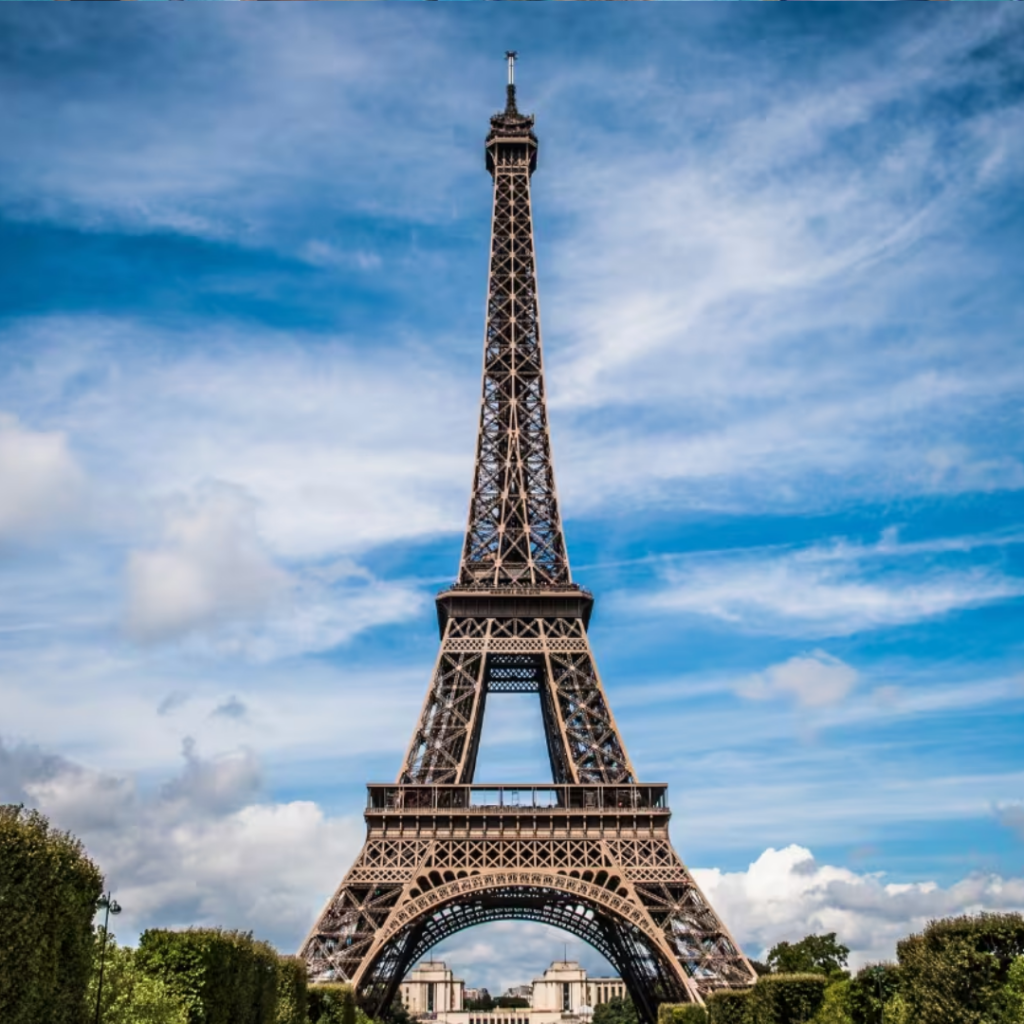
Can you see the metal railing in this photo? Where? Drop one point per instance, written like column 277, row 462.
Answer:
column 518, row 798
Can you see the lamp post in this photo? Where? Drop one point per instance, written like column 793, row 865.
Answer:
column 878, row 973
column 108, row 906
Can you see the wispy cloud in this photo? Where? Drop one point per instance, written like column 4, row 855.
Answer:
column 833, row 589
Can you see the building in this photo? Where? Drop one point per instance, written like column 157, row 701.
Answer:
column 564, row 994
column 432, row 992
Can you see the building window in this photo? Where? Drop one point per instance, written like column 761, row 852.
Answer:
column 566, row 1003
column 430, row 998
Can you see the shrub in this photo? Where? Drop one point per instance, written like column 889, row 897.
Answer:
column 130, row 996
column 291, row 991
column 1014, row 992
column 48, row 894
column 221, row 977
column 956, row 971
column 682, row 1013
column 730, row 1006
column 332, row 1003
column 835, row 1009
column 786, row 998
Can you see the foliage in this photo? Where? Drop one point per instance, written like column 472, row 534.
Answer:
column 618, row 1010
column 871, row 990
column 485, row 1002
column 129, row 996
column 956, row 971
column 48, row 894
column 221, row 977
column 836, row 1007
column 1013, row 1012
column 512, row 1002
column 682, row 1013
column 291, row 991
column 786, row 998
column 759, row 967
column 730, row 1006
column 398, row 1015
column 813, row 954
column 335, row 1003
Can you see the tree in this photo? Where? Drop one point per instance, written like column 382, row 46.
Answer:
column 1014, row 992
column 485, row 1002
column 618, row 1010
column 130, row 996
column 512, row 1002
column 48, row 894
column 814, row 954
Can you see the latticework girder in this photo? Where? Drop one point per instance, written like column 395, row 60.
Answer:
column 589, row 853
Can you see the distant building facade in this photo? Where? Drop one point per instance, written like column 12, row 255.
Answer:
column 564, row 994
column 430, row 991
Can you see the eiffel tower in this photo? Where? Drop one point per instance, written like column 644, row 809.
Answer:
column 590, row 852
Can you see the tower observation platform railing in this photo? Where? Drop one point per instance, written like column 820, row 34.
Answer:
column 512, row 799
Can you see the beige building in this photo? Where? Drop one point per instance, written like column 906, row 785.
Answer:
column 564, row 994
column 430, row 990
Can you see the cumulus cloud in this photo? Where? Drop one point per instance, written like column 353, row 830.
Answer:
column 210, row 568
column 786, row 894
column 830, row 589
column 815, row 680
column 203, row 849
column 41, row 484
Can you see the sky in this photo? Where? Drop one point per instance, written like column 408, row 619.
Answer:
column 243, row 255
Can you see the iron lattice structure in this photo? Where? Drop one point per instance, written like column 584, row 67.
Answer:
column 589, row 853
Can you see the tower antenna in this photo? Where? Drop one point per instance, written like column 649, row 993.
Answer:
column 510, row 56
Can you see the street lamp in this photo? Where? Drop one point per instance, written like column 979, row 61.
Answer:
column 108, row 906
column 878, row 973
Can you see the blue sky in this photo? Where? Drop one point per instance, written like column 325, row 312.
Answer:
column 243, row 263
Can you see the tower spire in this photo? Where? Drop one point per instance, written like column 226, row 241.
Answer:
column 510, row 99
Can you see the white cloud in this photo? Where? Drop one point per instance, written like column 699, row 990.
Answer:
column 214, row 579
column 785, row 895
column 41, row 484
column 816, row 680
column 203, row 850
column 830, row 589
column 210, row 569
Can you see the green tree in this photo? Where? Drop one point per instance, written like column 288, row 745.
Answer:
column 814, row 954
column 512, row 1002
column 1014, row 993
column 836, row 1007
column 130, row 996
column 485, row 1002
column 48, row 894
column 957, row 970
column 871, row 991
column 618, row 1010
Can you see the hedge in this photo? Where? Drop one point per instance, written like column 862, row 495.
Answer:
column 48, row 894
column 729, row 1006
column 332, row 1003
column 221, row 977
column 292, row 996
column 682, row 1013
column 956, row 971
column 786, row 998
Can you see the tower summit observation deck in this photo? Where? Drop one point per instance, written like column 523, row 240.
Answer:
column 588, row 852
